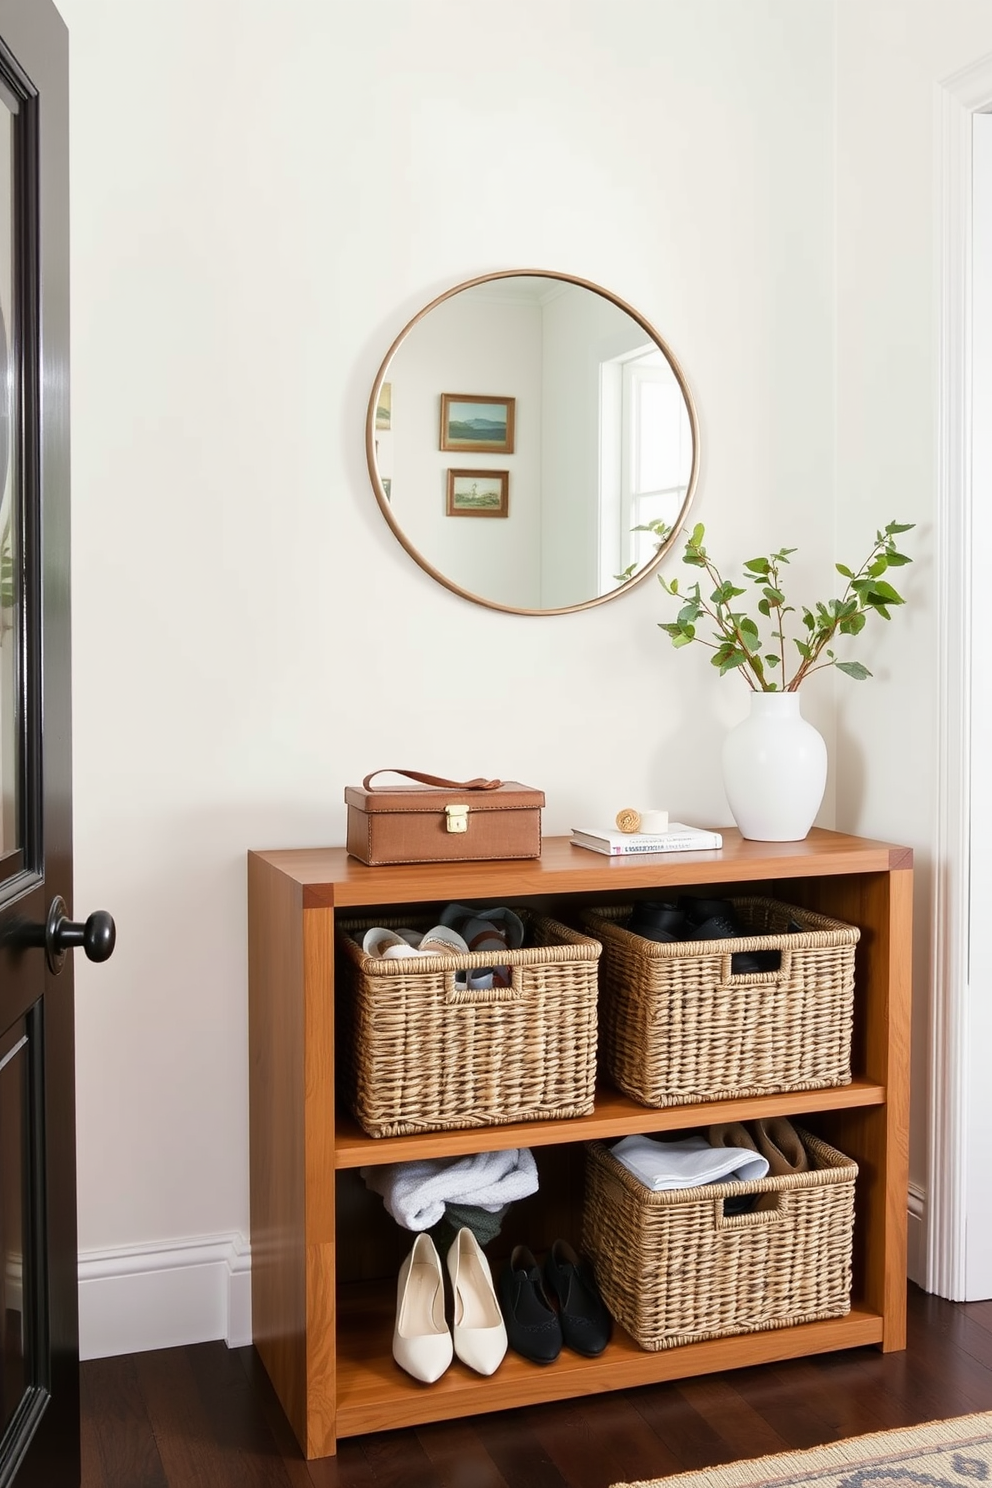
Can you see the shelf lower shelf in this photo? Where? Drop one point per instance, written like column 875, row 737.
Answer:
column 615, row 1115
column 373, row 1393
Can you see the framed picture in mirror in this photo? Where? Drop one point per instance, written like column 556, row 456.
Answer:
column 477, row 422
column 478, row 493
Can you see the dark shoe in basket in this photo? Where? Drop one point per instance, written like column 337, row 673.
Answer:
column 532, row 1325
column 585, row 1321
column 714, row 919
column 661, row 922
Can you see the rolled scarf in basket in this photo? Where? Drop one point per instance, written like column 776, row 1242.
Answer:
column 415, row 1193
column 688, row 1162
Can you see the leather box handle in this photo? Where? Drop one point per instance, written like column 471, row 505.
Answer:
column 478, row 784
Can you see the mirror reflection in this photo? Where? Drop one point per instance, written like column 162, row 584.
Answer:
column 521, row 430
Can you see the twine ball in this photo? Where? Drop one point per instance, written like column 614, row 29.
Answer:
column 629, row 820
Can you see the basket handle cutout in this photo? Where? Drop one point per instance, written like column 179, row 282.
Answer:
column 780, row 974
column 774, row 1213
column 480, row 996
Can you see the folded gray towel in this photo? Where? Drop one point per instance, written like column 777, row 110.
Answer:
column 416, row 1193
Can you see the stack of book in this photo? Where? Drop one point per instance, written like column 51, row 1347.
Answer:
column 678, row 838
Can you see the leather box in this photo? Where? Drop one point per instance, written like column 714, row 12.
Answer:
column 442, row 821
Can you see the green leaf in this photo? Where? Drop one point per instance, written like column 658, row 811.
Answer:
column 774, row 596
column 879, row 566
column 841, row 569
column 685, row 639
column 757, row 565
column 853, row 624
column 735, row 659
column 884, row 594
column 748, row 632
column 894, row 527
column 698, row 533
column 725, row 594
column 772, row 659
column 804, row 650
column 896, row 560
column 763, row 608
column 853, row 669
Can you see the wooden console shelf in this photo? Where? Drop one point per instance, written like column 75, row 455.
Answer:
column 324, row 1252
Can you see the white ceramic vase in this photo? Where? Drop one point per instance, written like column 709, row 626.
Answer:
column 774, row 769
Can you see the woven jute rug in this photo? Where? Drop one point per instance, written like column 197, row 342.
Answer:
column 942, row 1454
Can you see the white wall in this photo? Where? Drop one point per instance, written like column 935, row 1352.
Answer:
column 891, row 56
column 262, row 197
column 471, row 344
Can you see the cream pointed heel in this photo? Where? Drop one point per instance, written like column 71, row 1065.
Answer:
column 421, row 1340
column 479, row 1330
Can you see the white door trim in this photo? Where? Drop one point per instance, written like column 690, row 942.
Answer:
column 958, row 99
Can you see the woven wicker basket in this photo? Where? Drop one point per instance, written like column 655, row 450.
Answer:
column 679, row 1027
column 423, row 1054
column 674, row 1269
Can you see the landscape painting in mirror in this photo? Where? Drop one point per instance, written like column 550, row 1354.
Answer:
column 477, row 423
column 478, row 493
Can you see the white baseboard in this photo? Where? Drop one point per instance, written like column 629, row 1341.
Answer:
column 917, row 1237
column 143, row 1297
column 161, row 1296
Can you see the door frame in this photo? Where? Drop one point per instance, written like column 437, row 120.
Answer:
column 960, row 1103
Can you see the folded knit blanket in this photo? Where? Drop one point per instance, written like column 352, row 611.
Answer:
column 415, row 1193
column 688, row 1162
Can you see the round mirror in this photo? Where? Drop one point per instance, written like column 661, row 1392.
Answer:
column 526, row 434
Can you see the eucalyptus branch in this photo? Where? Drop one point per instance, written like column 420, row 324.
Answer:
column 738, row 644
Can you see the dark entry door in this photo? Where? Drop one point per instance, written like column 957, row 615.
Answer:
column 39, row 1350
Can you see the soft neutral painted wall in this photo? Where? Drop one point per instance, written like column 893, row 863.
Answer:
column 263, row 194
column 479, row 346
column 891, row 59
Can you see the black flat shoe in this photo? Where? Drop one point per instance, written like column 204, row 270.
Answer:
column 532, row 1326
column 585, row 1321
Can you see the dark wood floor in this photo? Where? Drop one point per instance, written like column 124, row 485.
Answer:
column 206, row 1417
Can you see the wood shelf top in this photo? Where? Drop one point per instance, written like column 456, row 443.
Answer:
column 374, row 1394
column 329, row 877
column 615, row 1116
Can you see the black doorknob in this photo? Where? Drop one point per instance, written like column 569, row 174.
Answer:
column 97, row 936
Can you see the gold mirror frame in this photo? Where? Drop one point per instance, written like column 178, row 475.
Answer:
column 383, row 500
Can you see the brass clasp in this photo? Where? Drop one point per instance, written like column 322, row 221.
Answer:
column 457, row 818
